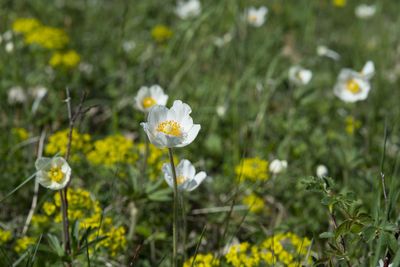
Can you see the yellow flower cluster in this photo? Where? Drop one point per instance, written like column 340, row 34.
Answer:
column 47, row 37
column 352, row 125
column 339, row 3
column 59, row 140
column 155, row 159
column 202, row 260
column 69, row 59
column 23, row 243
column 284, row 249
column 111, row 151
column 82, row 207
column 252, row 169
column 254, row 202
column 5, row 236
column 25, row 25
column 161, row 33
column 51, row 38
column 243, row 255
column 20, row 133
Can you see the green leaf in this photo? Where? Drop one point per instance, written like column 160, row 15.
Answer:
column 327, row 235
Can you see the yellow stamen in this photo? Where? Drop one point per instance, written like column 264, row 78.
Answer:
column 253, row 18
column 180, row 179
column 55, row 174
column 170, row 128
column 353, row 86
column 148, row 102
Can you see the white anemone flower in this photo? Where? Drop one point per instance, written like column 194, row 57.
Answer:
column 53, row 173
column 38, row 92
column 352, row 86
column 364, row 11
column 187, row 179
column 188, row 9
column 322, row 171
column 277, row 166
column 16, row 95
column 256, row 17
column 299, row 75
column 324, row 51
column 382, row 264
column 171, row 127
column 147, row 97
column 9, row 47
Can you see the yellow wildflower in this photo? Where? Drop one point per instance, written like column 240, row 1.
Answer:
column 254, row 202
column 47, row 37
column 243, row 255
column 161, row 33
column 25, row 25
column 339, row 3
column 69, row 59
column 111, row 151
column 202, row 260
column 23, row 243
column 252, row 169
column 20, row 133
column 352, row 125
column 59, row 140
column 5, row 236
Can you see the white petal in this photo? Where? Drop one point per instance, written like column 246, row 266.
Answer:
column 368, row 70
column 191, row 135
column 166, row 168
column 43, row 163
column 198, row 179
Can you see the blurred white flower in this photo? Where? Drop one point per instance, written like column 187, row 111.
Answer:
column 128, row 46
column 86, row 68
column 7, row 36
column 382, row 264
column 364, row 11
column 324, row 51
column 221, row 110
column 352, row 86
column 299, row 75
column 16, row 95
column 171, row 127
column 277, row 166
column 221, row 41
column 147, row 97
column 322, row 171
column 256, row 17
column 9, row 47
column 38, row 93
column 188, row 9
column 53, row 173
column 187, row 179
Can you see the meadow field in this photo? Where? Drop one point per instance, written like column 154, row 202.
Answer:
column 200, row 133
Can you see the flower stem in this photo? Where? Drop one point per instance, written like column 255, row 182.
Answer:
column 175, row 212
column 64, row 208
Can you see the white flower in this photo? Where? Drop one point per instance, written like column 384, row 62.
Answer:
column 147, row 97
column 7, row 36
column 322, row 171
column 38, row 92
column 299, row 75
column 9, row 47
column 382, row 263
column 324, row 51
column 171, row 127
column 352, row 86
column 128, row 46
column 221, row 41
column 364, row 11
column 53, row 173
column 221, row 110
column 188, row 9
column 187, row 179
column 277, row 166
column 16, row 95
column 86, row 68
column 256, row 17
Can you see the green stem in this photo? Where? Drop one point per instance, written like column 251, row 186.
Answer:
column 175, row 212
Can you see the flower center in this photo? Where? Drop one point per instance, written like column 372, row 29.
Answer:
column 353, row 86
column 180, row 179
column 55, row 174
column 170, row 127
column 253, row 18
column 148, row 102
